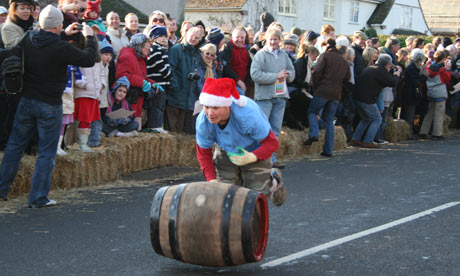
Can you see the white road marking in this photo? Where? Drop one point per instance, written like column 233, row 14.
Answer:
column 355, row 236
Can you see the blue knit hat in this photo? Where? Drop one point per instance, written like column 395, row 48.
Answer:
column 105, row 47
column 123, row 81
column 215, row 36
column 157, row 31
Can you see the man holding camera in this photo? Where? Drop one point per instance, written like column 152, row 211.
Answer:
column 183, row 59
column 40, row 106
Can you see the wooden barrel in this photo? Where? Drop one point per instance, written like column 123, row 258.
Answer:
column 209, row 224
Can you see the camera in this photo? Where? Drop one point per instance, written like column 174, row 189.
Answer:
column 193, row 76
column 79, row 27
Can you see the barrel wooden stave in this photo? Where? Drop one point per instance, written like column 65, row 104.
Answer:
column 198, row 228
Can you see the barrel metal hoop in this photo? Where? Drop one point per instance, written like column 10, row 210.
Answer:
column 155, row 213
column 225, row 226
column 173, row 213
column 246, row 226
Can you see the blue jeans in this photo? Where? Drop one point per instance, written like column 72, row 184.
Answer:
column 329, row 108
column 94, row 138
column 383, row 125
column 370, row 120
column 46, row 118
column 155, row 109
column 274, row 110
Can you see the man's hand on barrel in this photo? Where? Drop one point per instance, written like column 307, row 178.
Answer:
column 243, row 157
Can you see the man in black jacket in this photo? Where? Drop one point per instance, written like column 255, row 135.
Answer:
column 46, row 58
column 373, row 79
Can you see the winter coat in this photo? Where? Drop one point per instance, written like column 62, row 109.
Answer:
column 118, row 39
column 358, row 62
column 93, row 81
column 11, row 33
column 301, row 70
column 46, row 57
column 413, row 80
column 158, row 68
column 373, row 79
column 330, row 74
column 264, row 69
column 227, row 55
column 183, row 59
column 104, row 98
column 438, row 77
column 133, row 67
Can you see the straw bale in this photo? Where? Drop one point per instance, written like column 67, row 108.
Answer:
column 397, row 130
column 122, row 156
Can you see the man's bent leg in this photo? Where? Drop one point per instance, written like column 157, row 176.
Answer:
column 226, row 171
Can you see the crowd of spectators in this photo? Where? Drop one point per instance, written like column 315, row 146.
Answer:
column 299, row 79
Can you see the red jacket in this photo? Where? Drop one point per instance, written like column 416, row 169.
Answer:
column 131, row 66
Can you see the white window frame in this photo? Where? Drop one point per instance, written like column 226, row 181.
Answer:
column 407, row 17
column 354, row 12
column 329, row 9
column 291, row 5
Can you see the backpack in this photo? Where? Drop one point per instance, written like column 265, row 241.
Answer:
column 12, row 70
column 11, row 75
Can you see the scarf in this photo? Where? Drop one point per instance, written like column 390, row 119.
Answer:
column 209, row 73
column 24, row 24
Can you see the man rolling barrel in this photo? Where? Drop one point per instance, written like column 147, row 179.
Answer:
column 245, row 142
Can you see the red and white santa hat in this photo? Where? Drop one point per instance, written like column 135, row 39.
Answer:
column 221, row 92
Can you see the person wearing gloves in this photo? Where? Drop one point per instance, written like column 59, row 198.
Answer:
column 123, row 127
column 243, row 137
column 131, row 63
column 158, row 69
column 40, row 107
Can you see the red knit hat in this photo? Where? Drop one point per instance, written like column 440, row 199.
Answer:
column 93, row 6
column 220, row 92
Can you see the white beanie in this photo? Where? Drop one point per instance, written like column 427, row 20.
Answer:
column 50, row 17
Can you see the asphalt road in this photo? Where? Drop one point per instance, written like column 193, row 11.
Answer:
column 332, row 204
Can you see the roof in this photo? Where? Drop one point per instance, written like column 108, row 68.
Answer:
column 381, row 12
column 214, row 4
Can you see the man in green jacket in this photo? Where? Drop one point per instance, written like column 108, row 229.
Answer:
column 183, row 59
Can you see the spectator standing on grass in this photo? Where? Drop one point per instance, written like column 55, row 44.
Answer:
column 41, row 104
column 271, row 70
column 373, row 79
column 331, row 73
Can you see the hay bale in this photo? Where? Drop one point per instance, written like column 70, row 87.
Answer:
column 397, row 130
column 121, row 156
column 291, row 142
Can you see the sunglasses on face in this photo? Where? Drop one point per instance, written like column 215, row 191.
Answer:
column 160, row 20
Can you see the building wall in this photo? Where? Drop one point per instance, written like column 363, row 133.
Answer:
column 173, row 7
column 224, row 20
column 311, row 16
column 395, row 18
